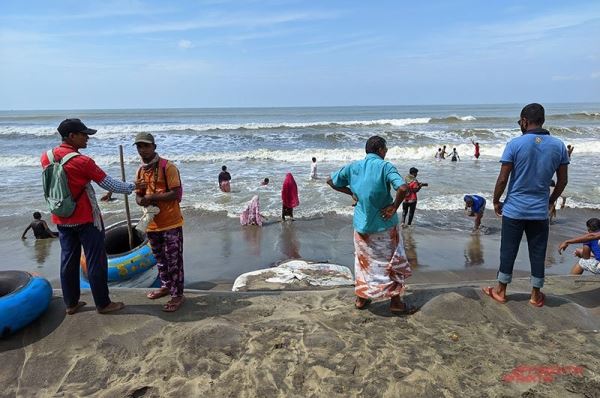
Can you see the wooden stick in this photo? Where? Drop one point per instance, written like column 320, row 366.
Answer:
column 129, row 230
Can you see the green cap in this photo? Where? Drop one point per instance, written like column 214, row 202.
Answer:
column 144, row 137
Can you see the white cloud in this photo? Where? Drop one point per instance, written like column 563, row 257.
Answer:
column 562, row 78
column 185, row 44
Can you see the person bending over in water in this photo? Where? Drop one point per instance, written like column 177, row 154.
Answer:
column 265, row 182
column 476, row 206
column 40, row 228
column 251, row 214
column 589, row 253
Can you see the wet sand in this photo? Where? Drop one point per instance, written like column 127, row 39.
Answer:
column 313, row 344
column 217, row 249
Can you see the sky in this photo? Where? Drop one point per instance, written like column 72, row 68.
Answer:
column 73, row 54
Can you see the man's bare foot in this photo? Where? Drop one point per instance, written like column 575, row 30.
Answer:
column 112, row 307
column 173, row 304
column 158, row 293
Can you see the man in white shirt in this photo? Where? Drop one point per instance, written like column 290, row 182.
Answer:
column 313, row 169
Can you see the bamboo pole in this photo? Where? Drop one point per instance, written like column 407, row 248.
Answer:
column 129, row 230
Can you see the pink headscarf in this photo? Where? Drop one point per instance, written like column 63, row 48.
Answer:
column 289, row 192
column 251, row 215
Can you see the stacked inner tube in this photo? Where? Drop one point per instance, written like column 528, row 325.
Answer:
column 126, row 267
column 23, row 298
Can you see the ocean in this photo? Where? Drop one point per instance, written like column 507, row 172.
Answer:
column 255, row 143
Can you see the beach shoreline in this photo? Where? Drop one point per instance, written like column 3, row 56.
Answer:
column 217, row 248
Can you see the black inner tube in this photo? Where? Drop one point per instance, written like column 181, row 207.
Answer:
column 11, row 281
column 117, row 240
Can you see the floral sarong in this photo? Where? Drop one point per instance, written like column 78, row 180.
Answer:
column 380, row 264
column 225, row 186
column 167, row 247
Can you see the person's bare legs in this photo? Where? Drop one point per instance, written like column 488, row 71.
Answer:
column 576, row 270
column 585, row 253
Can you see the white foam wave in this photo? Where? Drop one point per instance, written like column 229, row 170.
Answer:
column 395, row 153
column 126, row 129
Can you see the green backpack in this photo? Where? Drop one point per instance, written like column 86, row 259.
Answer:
column 56, row 187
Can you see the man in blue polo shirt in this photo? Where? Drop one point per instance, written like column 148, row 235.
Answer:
column 530, row 161
column 380, row 263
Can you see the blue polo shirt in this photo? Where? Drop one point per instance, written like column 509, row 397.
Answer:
column 478, row 203
column 370, row 180
column 535, row 157
column 593, row 244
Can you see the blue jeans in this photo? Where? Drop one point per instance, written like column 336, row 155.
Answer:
column 92, row 240
column 537, row 241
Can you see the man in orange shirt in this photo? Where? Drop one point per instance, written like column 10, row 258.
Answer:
column 165, row 232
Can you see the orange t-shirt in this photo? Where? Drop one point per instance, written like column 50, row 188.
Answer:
column 170, row 214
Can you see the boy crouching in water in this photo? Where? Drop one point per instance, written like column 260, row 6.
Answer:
column 589, row 253
column 165, row 232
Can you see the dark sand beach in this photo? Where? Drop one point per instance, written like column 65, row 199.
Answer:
column 314, row 344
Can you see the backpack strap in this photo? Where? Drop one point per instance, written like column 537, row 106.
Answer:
column 68, row 157
column 50, row 155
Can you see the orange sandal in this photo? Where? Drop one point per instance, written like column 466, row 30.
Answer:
column 489, row 291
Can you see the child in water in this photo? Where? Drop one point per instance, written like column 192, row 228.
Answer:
column 40, row 228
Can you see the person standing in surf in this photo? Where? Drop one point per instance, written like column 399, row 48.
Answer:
column 289, row 197
column 313, row 169
column 455, row 156
column 409, row 205
column 476, row 145
column 165, row 231
column 380, row 264
column 224, row 180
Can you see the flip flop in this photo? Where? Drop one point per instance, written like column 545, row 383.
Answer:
column 365, row 303
column 156, row 294
column 407, row 310
column 173, row 306
column 489, row 291
column 77, row 307
column 539, row 303
column 112, row 307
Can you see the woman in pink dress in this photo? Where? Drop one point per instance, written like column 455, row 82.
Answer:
column 289, row 196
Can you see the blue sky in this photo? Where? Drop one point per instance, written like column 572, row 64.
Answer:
column 146, row 54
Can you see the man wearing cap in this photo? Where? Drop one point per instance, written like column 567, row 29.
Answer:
column 165, row 231
column 84, row 227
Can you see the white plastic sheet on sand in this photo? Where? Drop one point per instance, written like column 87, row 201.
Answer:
column 317, row 275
